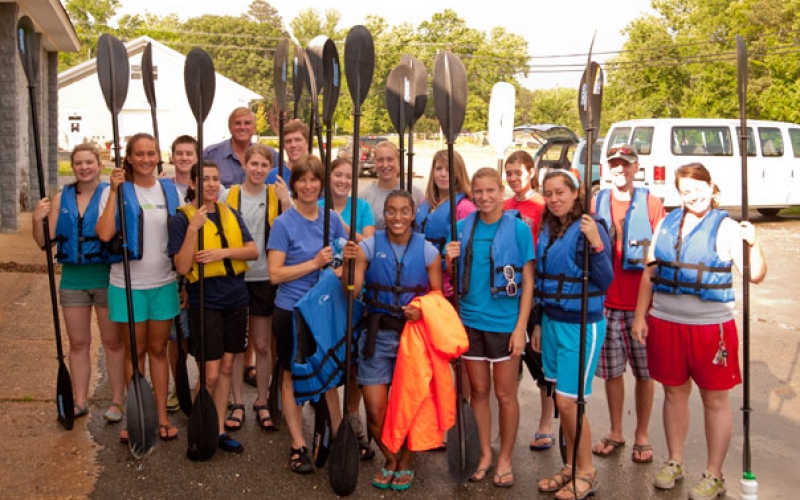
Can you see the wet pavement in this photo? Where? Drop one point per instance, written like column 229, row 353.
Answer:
column 41, row 460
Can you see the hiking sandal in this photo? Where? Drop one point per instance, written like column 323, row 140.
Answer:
column 264, row 422
column 299, row 461
column 589, row 481
column 231, row 418
column 556, row 481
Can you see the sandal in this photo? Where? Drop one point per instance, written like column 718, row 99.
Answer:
column 498, row 481
column 299, row 461
column 231, row 418
column 556, row 481
column 482, row 470
column 114, row 413
column 541, row 447
column 590, row 482
column 402, row 485
column 250, row 375
column 640, row 449
column 606, row 442
column 165, row 432
column 264, row 422
column 81, row 411
column 384, row 480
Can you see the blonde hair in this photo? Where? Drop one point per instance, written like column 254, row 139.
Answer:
column 258, row 149
column 488, row 173
column 460, row 178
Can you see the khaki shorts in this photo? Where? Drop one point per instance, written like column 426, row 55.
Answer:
column 97, row 297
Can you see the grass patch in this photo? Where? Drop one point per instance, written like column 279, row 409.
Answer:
column 791, row 211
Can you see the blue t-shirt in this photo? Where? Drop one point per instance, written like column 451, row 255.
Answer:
column 272, row 176
column 364, row 215
column 300, row 239
column 479, row 309
column 220, row 292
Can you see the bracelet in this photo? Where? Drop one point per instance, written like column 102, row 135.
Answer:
column 598, row 249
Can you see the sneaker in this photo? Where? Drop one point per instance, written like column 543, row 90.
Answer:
column 173, row 404
column 709, row 488
column 227, row 443
column 666, row 477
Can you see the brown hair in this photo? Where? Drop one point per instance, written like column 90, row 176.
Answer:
column 304, row 165
column 129, row 152
column 338, row 162
column 551, row 221
column 698, row 172
column 487, row 173
column 183, row 139
column 191, row 194
column 460, row 181
column 526, row 160
column 88, row 147
column 296, row 125
column 261, row 149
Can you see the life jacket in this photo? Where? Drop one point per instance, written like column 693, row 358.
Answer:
column 134, row 220
column 637, row 232
column 559, row 275
column 393, row 280
column 694, row 267
column 320, row 326
column 435, row 224
column 75, row 233
column 505, row 252
column 229, row 237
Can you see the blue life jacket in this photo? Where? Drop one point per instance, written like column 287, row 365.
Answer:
column 435, row 224
column 693, row 266
column 392, row 281
column 505, row 252
column 320, row 327
column 559, row 275
column 134, row 220
column 75, row 233
column 637, row 232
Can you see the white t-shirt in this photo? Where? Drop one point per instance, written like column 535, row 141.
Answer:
column 254, row 214
column 154, row 269
column 376, row 197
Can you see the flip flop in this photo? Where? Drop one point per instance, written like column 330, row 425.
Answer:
column 387, row 476
column 641, row 448
column 498, row 482
column 81, row 411
column 402, row 486
column 615, row 445
column 542, row 447
column 483, row 470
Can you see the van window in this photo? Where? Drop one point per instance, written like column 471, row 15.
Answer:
column 643, row 140
column 751, row 142
column 794, row 137
column 619, row 136
column 702, row 141
column 771, row 141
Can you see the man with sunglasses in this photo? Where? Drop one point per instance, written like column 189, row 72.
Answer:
column 630, row 214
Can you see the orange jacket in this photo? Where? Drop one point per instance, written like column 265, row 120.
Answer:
column 422, row 403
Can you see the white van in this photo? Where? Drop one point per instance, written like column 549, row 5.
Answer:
column 664, row 144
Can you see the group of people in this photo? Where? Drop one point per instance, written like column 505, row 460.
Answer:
column 659, row 292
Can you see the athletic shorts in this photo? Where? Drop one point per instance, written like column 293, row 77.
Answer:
column 284, row 337
column 225, row 331
column 97, row 297
column 157, row 304
column 262, row 298
column 487, row 346
column 378, row 369
column 560, row 354
column 621, row 348
column 677, row 352
column 183, row 319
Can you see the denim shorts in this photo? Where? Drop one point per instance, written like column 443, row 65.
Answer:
column 97, row 297
column 378, row 369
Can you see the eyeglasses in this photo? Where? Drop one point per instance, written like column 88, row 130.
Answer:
column 511, row 286
column 623, row 150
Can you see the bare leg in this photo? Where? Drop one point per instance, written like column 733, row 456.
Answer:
column 479, row 375
column 718, row 426
column 223, row 387
column 645, row 390
column 615, row 397
column 237, row 383
column 569, row 412
column 115, row 354
column 505, row 389
column 376, row 398
column 292, row 412
column 676, row 418
column 79, row 330
column 260, row 339
column 546, row 417
column 157, row 335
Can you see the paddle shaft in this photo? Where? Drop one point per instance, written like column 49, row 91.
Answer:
column 410, row 155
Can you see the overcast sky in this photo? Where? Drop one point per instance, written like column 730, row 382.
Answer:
column 550, row 27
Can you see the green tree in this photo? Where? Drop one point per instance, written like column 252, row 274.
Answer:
column 90, row 19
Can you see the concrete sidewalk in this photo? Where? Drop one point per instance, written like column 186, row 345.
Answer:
column 38, row 458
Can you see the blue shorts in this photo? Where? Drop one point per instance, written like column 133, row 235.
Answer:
column 560, row 345
column 183, row 319
column 378, row 369
column 158, row 304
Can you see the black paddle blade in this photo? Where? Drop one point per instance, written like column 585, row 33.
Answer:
column 450, row 93
column 182, row 388
column 420, row 84
column 28, row 47
column 400, row 97
column 461, row 469
column 359, row 63
column 311, row 81
column 113, row 71
column 298, row 76
column 314, row 62
column 203, row 429
column 65, row 404
column 590, row 97
column 279, row 71
column 199, row 80
column 322, row 432
column 332, row 78
column 141, row 416
column 147, row 75
column 275, row 401
column 344, row 460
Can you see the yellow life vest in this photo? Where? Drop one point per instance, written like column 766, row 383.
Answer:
column 234, row 199
column 212, row 239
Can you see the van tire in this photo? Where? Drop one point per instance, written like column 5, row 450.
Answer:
column 769, row 212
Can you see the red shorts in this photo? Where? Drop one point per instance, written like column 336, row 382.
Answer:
column 676, row 352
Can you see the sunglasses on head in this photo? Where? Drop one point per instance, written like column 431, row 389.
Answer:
column 623, row 150
column 511, row 286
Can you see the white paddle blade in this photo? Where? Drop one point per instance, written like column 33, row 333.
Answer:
column 501, row 117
